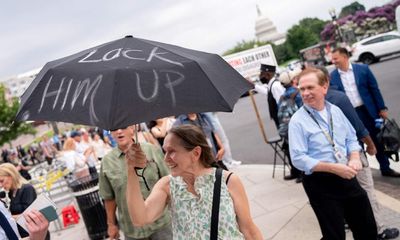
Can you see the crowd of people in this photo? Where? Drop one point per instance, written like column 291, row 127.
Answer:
column 164, row 179
column 80, row 150
column 327, row 122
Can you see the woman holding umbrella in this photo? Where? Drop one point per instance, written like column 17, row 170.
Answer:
column 189, row 190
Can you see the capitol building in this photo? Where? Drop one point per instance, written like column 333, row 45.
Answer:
column 266, row 30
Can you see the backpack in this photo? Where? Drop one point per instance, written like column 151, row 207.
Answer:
column 389, row 137
column 286, row 109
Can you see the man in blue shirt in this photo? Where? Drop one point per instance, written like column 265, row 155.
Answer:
column 324, row 145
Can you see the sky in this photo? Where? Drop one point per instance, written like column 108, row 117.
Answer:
column 36, row 32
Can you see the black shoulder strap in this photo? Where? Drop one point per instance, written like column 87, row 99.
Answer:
column 227, row 179
column 215, row 205
column 273, row 81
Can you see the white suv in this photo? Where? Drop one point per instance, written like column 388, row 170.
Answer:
column 369, row 50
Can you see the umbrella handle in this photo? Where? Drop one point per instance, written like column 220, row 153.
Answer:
column 260, row 123
column 134, row 142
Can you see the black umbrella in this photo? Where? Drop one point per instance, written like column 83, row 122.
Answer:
column 128, row 81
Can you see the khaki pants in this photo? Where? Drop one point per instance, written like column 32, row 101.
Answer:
column 164, row 233
column 364, row 177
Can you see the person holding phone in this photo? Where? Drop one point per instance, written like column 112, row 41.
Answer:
column 20, row 191
column 37, row 225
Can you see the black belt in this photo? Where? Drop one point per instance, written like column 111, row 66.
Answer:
column 362, row 107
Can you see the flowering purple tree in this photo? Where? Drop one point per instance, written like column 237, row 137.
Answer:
column 376, row 20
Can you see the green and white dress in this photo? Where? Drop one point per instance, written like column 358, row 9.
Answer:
column 191, row 215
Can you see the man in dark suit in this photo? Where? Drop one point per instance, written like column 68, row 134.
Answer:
column 360, row 85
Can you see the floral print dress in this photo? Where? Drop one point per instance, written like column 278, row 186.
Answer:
column 191, row 214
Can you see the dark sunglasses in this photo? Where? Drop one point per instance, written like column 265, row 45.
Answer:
column 116, row 129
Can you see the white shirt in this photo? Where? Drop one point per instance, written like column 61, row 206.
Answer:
column 350, row 86
column 100, row 148
column 10, row 220
column 277, row 89
column 81, row 147
column 73, row 160
column 324, row 114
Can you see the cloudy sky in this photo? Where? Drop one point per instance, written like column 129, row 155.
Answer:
column 35, row 32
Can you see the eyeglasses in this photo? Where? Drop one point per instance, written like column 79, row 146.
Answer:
column 142, row 175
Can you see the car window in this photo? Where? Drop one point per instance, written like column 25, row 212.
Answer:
column 375, row 40
column 390, row 37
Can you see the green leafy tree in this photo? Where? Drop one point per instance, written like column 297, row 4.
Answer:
column 282, row 52
column 244, row 45
column 304, row 34
column 299, row 37
column 314, row 24
column 351, row 9
column 8, row 110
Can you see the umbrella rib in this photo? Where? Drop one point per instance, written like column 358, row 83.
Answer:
column 158, row 45
column 215, row 87
column 113, row 99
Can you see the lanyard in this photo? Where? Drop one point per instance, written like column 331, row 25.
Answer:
column 327, row 135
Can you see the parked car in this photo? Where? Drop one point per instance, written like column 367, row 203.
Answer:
column 371, row 49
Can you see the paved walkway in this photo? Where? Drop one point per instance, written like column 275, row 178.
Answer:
column 280, row 208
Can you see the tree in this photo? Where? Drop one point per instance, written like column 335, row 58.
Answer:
column 351, row 9
column 304, row 34
column 244, row 45
column 299, row 37
column 282, row 52
column 314, row 24
column 8, row 109
column 363, row 24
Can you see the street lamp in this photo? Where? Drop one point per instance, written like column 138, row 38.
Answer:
column 332, row 12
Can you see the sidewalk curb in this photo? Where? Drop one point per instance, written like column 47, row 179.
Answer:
column 388, row 201
column 384, row 199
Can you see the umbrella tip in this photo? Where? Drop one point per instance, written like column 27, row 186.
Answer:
column 128, row 36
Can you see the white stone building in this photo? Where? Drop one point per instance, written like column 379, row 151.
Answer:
column 16, row 85
column 266, row 30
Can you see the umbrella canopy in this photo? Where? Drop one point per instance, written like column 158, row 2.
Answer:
column 129, row 81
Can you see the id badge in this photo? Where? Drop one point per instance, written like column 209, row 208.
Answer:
column 340, row 157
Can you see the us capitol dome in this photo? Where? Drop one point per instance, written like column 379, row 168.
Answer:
column 266, row 30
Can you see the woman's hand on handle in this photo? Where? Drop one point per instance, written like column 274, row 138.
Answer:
column 135, row 157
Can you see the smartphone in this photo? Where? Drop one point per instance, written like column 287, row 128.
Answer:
column 49, row 213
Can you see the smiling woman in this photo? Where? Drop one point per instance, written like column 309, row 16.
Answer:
column 189, row 190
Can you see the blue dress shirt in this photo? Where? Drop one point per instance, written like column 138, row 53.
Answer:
column 308, row 144
column 341, row 100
